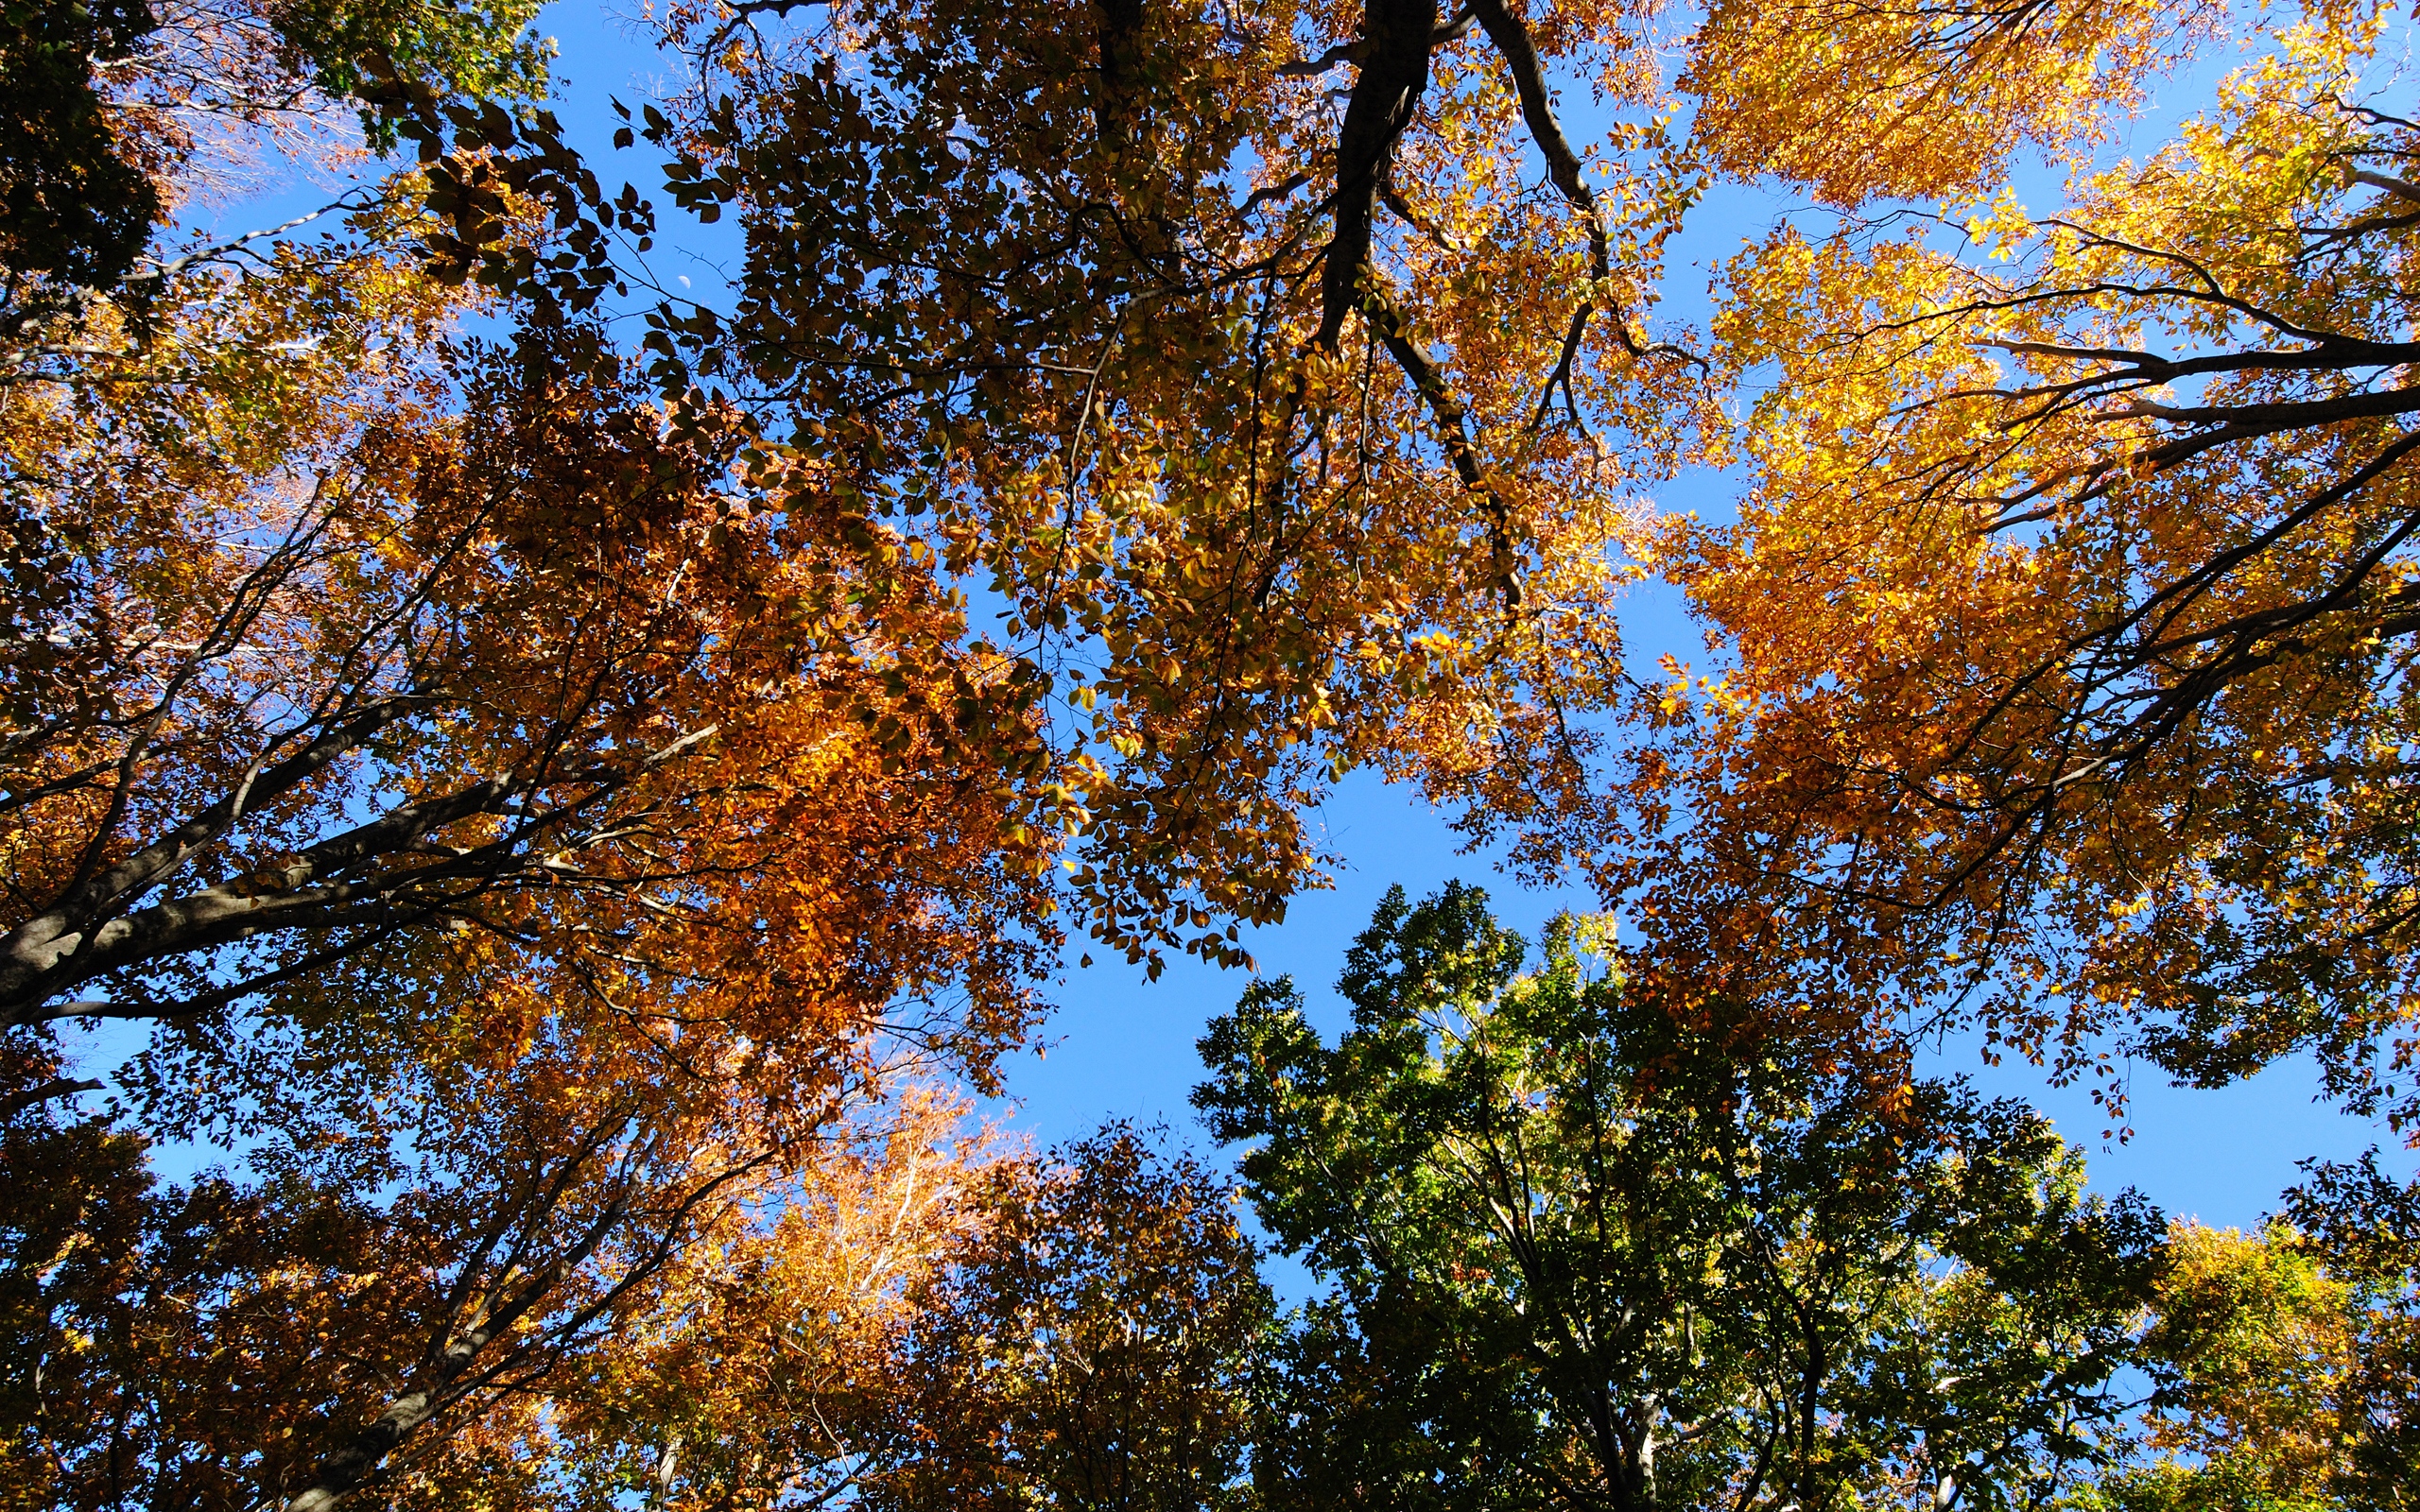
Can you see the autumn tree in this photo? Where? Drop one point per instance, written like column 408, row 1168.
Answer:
column 311, row 666
column 551, row 1267
column 1588, row 1251
column 2361, row 1230
column 1286, row 430
column 2256, row 1334
column 532, row 823
column 935, row 1319
column 2285, row 1360
column 2060, row 642
column 535, row 815
column 763, row 1373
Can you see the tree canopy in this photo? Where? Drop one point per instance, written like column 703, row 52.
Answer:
column 534, row 793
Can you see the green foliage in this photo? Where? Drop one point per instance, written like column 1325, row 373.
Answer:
column 88, row 163
column 1585, row 1252
column 71, row 204
column 480, row 52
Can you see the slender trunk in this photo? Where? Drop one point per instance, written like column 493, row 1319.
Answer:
column 341, row 1472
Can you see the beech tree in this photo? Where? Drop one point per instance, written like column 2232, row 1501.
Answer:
column 533, row 855
column 535, row 818
column 1272, row 463
column 371, row 675
column 535, row 829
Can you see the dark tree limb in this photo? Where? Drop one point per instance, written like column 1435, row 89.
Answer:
column 321, row 889
column 1453, row 425
column 1511, row 35
column 1394, row 74
column 51, row 1091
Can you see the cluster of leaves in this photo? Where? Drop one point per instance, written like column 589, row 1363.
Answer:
column 114, row 114
column 1261, row 477
column 498, row 1315
column 74, row 208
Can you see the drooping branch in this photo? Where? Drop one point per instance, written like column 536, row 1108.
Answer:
column 1453, row 426
column 1511, row 35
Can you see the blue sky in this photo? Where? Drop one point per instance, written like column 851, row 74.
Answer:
column 1121, row 1047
